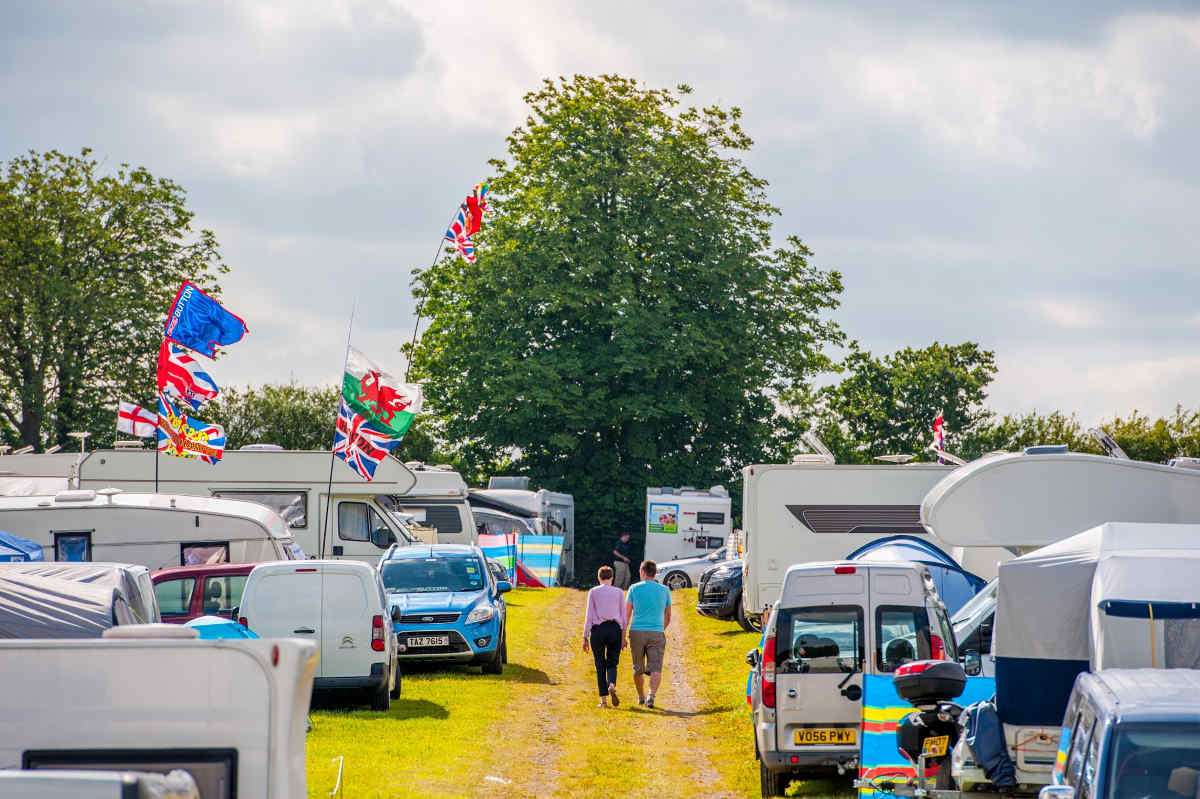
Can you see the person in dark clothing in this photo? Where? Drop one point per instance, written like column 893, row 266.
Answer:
column 621, row 561
column 602, row 633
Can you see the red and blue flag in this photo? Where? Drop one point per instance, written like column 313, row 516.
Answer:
column 457, row 235
column 357, row 442
column 475, row 207
column 180, row 375
column 185, row 437
column 200, row 323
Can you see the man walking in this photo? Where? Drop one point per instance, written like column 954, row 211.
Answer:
column 621, row 562
column 647, row 614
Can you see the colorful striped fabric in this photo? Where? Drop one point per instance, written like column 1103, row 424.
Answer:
column 501, row 548
column 541, row 554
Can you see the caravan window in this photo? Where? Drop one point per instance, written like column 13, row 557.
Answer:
column 709, row 517
column 291, row 505
column 196, row 552
column 356, row 520
column 74, row 547
column 445, row 518
column 901, row 636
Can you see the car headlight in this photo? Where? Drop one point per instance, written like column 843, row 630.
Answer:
column 721, row 574
column 481, row 613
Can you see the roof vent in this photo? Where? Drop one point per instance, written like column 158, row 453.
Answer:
column 151, row 631
column 718, row 491
column 86, row 495
column 812, row 458
column 261, row 448
column 653, row 490
column 1184, row 463
column 109, row 493
column 126, row 444
column 1047, row 449
column 416, row 466
column 501, row 481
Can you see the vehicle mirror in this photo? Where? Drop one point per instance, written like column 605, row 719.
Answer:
column 752, row 658
column 396, row 613
column 382, row 537
column 972, row 663
column 1057, row 792
column 234, row 611
column 503, row 586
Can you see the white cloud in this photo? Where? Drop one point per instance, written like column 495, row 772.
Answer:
column 1072, row 314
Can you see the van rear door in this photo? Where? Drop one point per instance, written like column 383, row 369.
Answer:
column 285, row 603
column 900, row 619
column 820, row 646
column 346, row 625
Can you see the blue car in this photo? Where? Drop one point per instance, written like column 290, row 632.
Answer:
column 451, row 607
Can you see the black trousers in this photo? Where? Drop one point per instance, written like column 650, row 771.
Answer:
column 606, row 651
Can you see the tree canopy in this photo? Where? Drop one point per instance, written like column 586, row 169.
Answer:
column 89, row 264
column 629, row 321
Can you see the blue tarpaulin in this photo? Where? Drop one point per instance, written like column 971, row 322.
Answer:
column 219, row 627
column 954, row 584
column 14, row 549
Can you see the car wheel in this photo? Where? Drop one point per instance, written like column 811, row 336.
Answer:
column 381, row 700
column 494, row 664
column 676, row 580
column 772, row 784
column 397, row 682
column 504, row 648
column 744, row 621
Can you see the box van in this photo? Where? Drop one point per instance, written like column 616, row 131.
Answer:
column 686, row 522
column 153, row 530
column 294, row 483
column 833, row 623
column 438, row 499
column 231, row 713
column 341, row 607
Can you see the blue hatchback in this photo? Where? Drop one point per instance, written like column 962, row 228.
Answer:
column 451, row 608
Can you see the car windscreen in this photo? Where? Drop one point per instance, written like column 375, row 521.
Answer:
column 1151, row 759
column 432, row 575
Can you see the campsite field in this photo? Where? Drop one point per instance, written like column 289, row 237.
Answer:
column 536, row 730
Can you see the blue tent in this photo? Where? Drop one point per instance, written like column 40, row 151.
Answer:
column 955, row 585
column 14, row 549
column 219, row 627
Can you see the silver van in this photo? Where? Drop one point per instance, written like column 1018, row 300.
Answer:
column 834, row 622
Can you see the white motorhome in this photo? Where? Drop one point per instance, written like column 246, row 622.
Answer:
column 295, row 484
column 814, row 511
column 686, row 522
column 229, row 712
column 438, row 499
column 551, row 512
column 152, row 530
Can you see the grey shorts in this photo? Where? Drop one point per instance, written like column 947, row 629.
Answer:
column 646, row 647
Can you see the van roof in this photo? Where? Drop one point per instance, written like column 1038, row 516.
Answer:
column 309, row 565
column 821, row 566
column 433, row 551
column 1146, row 694
column 437, row 484
column 253, row 511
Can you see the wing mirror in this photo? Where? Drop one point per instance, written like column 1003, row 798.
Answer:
column 972, row 663
column 753, row 658
column 503, row 586
column 396, row 613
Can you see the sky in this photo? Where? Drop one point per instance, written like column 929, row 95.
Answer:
column 1021, row 174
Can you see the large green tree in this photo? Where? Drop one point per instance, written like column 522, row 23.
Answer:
column 89, row 264
column 887, row 405
column 629, row 321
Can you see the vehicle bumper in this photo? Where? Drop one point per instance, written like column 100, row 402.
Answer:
column 377, row 678
column 720, row 607
column 789, row 761
column 469, row 643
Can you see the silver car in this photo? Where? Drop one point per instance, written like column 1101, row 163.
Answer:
column 685, row 572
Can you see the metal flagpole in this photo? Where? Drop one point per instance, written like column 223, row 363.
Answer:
column 416, row 325
column 332, row 456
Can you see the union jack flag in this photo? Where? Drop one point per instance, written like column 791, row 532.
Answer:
column 180, row 375
column 359, row 444
column 457, row 235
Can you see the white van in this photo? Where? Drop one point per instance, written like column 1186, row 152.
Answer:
column 152, row 530
column 230, row 712
column 339, row 605
column 438, row 499
column 833, row 623
column 686, row 522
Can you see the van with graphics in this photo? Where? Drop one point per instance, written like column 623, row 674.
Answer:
column 834, row 623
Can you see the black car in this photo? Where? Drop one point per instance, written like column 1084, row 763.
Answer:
column 719, row 594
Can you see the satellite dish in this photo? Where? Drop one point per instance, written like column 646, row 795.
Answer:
column 1106, row 442
column 946, row 456
column 895, row 458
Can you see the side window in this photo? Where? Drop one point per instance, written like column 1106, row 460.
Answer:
column 73, row 547
column 223, row 593
column 356, row 520
column 174, row 596
column 901, row 636
column 193, row 553
column 1079, row 743
column 819, row 640
column 291, row 505
column 1088, row 783
column 446, row 518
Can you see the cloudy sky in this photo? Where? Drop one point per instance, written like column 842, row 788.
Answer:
column 996, row 172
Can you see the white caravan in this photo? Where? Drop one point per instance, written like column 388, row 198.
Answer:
column 551, row 512
column 686, row 522
column 229, row 712
column 814, row 511
column 438, row 499
column 152, row 530
column 294, row 483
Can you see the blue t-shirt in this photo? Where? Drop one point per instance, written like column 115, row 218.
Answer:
column 649, row 600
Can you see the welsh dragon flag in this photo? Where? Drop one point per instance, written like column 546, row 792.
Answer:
column 372, row 393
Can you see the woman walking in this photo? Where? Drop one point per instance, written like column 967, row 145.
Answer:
column 602, row 633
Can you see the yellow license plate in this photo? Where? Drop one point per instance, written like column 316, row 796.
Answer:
column 827, row 736
column 936, row 746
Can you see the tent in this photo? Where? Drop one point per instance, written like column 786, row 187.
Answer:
column 122, row 576
column 32, row 606
column 14, row 549
column 210, row 627
column 954, row 584
column 1117, row 595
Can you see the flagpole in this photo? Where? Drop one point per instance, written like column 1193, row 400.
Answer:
column 332, row 456
column 412, row 347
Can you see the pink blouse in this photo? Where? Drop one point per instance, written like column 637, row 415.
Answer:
column 604, row 603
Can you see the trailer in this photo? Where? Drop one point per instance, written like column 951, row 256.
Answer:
column 686, row 522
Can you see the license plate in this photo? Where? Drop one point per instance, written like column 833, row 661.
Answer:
column 429, row 640
column 818, row 736
column 936, row 746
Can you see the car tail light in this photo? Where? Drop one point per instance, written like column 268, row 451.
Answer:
column 937, row 648
column 377, row 633
column 768, row 673
column 242, row 621
column 844, row 570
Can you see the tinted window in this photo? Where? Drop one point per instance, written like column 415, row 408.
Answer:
column 499, row 525
column 901, row 636
column 194, row 554
column 709, row 517
column 174, row 596
column 1144, row 758
column 445, row 518
column 432, row 575
column 819, row 640
column 291, row 505
column 73, row 547
column 223, row 593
